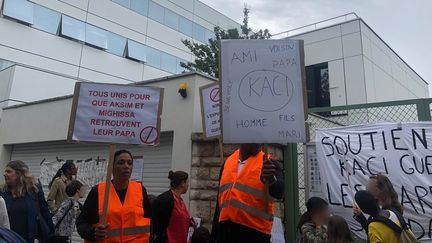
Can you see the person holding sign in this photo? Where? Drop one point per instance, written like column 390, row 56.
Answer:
column 243, row 211
column 129, row 212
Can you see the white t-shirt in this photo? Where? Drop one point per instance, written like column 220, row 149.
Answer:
column 240, row 166
column 4, row 218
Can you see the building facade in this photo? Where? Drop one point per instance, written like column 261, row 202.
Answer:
column 57, row 42
column 348, row 63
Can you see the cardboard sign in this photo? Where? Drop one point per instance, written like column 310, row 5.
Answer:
column 115, row 114
column 348, row 156
column 263, row 91
column 210, row 110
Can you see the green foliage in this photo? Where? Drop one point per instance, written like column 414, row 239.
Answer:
column 207, row 55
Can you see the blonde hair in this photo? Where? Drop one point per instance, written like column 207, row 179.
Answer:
column 26, row 183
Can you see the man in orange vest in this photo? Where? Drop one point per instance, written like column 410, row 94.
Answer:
column 129, row 213
column 243, row 212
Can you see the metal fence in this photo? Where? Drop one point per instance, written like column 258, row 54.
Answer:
column 327, row 117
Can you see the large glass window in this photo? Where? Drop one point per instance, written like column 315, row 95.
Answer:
column 168, row 63
column 153, row 57
column 156, row 12
column 199, row 33
column 125, row 3
column 171, row 19
column 116, row 44
column 180, row 69
column 185, row 26
column 73, row 28
column 209, row 35
column 96, row 37
column 46, row 19
column 317, row 82
column 136, row 51
column 21, row 10
column 140, row 6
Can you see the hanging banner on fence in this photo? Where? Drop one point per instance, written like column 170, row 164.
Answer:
column 116, row 114
column 348, row 156
column 210, row 110
column 263, row 91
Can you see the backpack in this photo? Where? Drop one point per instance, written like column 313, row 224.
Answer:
column 406, row 235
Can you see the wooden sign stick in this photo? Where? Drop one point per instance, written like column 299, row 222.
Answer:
column 103, row 218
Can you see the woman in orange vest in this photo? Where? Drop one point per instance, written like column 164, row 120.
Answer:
column 243, row 213
column 129, row 213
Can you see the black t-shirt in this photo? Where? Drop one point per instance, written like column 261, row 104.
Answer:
column 90, row 212
column 18, row 214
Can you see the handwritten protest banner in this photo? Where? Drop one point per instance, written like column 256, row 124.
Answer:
column 210, row 110
column 263, row 95
column 116, row 114
column 348, row 156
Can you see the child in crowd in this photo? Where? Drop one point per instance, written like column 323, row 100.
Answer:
column 312, row 227
column 64, row 219
column 200, row 235
column 338, row 230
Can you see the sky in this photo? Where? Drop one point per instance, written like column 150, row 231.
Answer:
column 406, row 26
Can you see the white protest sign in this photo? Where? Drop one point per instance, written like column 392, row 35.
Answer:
column 402, row 152
column 210, row 109
column 116, row 114
column 262, row 84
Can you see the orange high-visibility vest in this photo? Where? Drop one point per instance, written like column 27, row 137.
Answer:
column 126, row 222
column 242, row 196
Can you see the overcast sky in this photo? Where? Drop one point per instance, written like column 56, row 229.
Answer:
column 405, row 25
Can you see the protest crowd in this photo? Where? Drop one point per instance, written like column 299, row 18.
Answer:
column 242, row 211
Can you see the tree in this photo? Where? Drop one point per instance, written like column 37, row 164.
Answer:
column 207, row 55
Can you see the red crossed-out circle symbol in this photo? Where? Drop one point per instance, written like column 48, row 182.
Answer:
column 149, row 135
column 214, row 94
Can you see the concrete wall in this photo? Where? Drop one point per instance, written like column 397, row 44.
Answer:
column 340, row 46
column 362, row 68
column 387, row 76
column 49, row 121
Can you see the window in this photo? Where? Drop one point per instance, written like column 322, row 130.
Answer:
column 136, row 51
column 210, row 35
column 125, row 3
column 199, row 33
column 153, row 57
column 156, row 12
column 185, row 26
column 140, row 6
column 46, row 19
column 171, row 19
column 21, row 10
column 96, row 37
column 168, row 63
column 73, row 28
column 317, row 82
column 116, row 44
column 180, row 69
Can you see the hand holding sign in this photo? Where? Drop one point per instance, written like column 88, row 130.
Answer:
column 268, row 171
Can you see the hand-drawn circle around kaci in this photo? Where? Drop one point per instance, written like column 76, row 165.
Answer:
column 265, row 90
